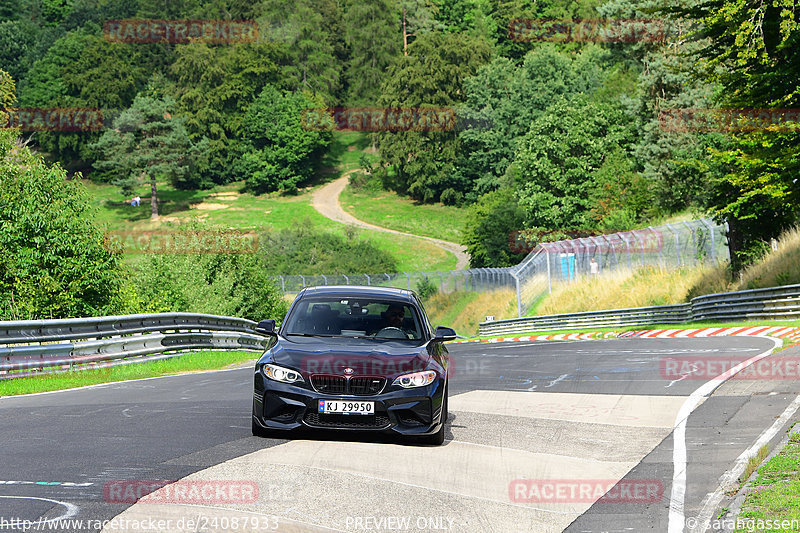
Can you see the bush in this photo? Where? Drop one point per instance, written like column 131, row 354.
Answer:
column 53, row 262
column 305, row 250
column 232, row 284
column 426, row 288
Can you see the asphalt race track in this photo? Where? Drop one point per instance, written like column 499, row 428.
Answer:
column 537, row 433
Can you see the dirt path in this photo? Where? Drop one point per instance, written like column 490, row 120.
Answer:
column 326, row 201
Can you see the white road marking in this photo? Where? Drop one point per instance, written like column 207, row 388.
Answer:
column 70, row 509
column 678, row 495
column 728, row 479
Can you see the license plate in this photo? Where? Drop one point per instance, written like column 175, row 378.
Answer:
column 343, row 407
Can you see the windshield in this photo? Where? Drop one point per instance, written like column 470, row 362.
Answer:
column 350, row 317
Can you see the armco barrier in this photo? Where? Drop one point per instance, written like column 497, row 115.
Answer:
column 35, row 346
column 777, row 303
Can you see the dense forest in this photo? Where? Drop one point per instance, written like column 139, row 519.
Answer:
column 555, row 133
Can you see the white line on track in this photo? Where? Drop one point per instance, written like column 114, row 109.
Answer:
column 729, row 478
column 71, row 509
column 677, row 519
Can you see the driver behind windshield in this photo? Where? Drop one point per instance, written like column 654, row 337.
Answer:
column 393, row 320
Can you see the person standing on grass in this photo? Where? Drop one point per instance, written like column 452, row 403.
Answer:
column 594, row 268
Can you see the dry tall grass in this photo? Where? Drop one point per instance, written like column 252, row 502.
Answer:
column 639, row 288
column 653, row 286
column 779, row 267
column 463, row 311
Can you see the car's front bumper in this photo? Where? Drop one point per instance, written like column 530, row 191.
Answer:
column 412, row 412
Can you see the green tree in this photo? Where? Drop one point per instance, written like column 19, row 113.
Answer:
column 310, row 30
column 753, row 54
column 147, row 144
column 490, row 229
column 509, row 98
column 558, row 157
column 279, row 151
column 53, row 263
column 371, row 30
column 17, row 38
column 214, row 86
column 432, row 75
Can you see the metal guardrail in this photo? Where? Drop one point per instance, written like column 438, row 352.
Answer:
column 33, row 347
column 777, row 303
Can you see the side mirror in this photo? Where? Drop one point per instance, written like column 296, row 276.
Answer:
column 266, row 327
column 444, row 334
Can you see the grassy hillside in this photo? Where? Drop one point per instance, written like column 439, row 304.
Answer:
column 463, row 311
column 231, row 207
column 389, row 210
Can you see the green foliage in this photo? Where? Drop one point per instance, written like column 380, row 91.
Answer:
column 223, row 284
column 8, row 91
column 311, row 31
column 53, row 263
column 489, row 230
column 509, row 98
column 372, row 36
column 620, row 197
column 431, row 75
column 17, row 39
column 147, row 143
column 557, row 160
column 280, row 152
column 214, row 86
column 752, row 52
column 303, row 250
column 426, row 288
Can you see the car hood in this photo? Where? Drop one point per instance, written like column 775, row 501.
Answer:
column 363, row 357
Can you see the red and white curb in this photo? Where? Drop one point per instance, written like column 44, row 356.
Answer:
column 558, row 337
column 768, row 331
column 790, row 333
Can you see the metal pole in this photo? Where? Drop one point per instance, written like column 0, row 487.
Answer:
column 694, row 241
column 368, row 280
column 519, row 296
column 710, row 226
column 549, row 282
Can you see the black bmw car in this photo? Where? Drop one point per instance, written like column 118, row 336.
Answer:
column 353, row 359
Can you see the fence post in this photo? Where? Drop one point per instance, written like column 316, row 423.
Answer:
column 694, row 241
column 368, row 280
column 346, row 279
column 304, row 280
column 283, row 284
column 519, row 296
column 408, row 280
column 627, row 250
column 658, row 240
column 710, row 227
column 325, row 278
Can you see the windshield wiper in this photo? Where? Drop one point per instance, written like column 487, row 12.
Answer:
column 308, row 335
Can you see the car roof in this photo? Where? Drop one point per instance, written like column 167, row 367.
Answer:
column 358, row 291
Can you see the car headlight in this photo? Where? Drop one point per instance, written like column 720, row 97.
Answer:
column 279, row 373
column 417, row 379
